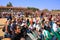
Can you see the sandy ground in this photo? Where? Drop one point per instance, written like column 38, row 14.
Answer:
column 1, row 32
column 2, row 22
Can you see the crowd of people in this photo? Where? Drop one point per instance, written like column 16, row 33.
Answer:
column 22, row 28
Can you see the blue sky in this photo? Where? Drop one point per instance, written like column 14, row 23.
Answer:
column 41, row 4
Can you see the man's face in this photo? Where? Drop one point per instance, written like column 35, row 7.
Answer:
column 18, row 29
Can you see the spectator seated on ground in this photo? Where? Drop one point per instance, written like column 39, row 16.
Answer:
column 7, row 30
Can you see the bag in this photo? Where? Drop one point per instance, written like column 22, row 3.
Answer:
column 3, row 29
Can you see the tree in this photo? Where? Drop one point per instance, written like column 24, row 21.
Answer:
column 32, row 8
column 56, row 10
column 46, row 10
column 9, row 4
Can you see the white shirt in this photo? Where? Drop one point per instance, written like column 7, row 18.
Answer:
column 34, row 20
column 34, row 25
column 55, row 27
column 45, row 33
column 37, row 27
